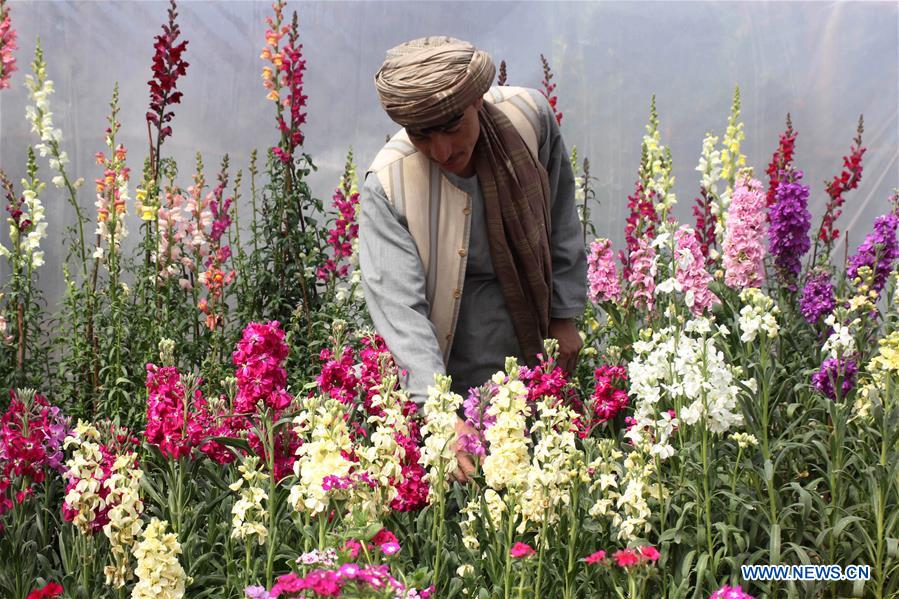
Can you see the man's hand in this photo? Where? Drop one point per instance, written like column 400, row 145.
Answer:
column 565, row 332
column 466, row 466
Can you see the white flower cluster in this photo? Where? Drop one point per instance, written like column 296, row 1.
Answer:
column 660, row 180
column 84, row 467
column 383, row 458
column 507, row 462
column 841, row 342
column 683, row 367
column 40, row 89
column 759, row 313
column 159, row 574
column 248, row 512
column 325, row 435
column 710, row 166
column 554, row 464
column 124, row 524
column 494, row 506
column 438, row 455
column 632, row 517
column 606, row 470
column 744, row 440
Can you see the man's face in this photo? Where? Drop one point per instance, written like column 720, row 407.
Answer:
column 451, row 145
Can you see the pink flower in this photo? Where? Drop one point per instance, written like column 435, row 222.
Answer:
column 352, row 546
column 691, row 272
column 520, row 550
column 602, row 275
column 7, row 45
column 642, row 277
column 744, row 236
column 626, row 558
column 390, row 548
column 650, row 553
column 597, row 557
column 727, row 592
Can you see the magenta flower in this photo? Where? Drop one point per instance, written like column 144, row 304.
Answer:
column 744, row 236
column 261, row 377
column 390, row 548
column 727, row 592
column 166, row 412
column 596, row 557
column 650, row 553
column 340, row 238
column 602, row 274
column 691, row 272
column 520, row 550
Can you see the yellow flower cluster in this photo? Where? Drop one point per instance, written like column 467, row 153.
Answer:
column 248, row 512
column 554, row 464
column 324, row 433
column 438, row 454
column 124, row 524
column 606, row 470
column 744, row 440
column 159, row 574
column 84, row 467
column 494, row 506
column 732, row 161
column 383, row 458
column 507, row 462
column 882, row 375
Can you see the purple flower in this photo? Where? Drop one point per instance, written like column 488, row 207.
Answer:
column 476, row 404
column 790, row 222
column 878, row 251
column 256, row 592
column 817, row 297
column 824, row 379
column 473, row 444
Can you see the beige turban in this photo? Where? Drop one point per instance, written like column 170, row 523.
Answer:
column 426, row 82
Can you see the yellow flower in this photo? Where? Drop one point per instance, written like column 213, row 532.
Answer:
column 148, row 213
column 273, row 95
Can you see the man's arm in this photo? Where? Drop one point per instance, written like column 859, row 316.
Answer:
column 394, row 284
column 569, row 259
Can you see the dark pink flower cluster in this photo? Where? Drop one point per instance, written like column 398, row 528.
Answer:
column 546, row 379
column 167, row 413
column 352, row 383
column 340, row 238
column 31, row 438
column 331, row 583
column 781, row 160
column 261, row 376
column 641, row 222
column 610, row 395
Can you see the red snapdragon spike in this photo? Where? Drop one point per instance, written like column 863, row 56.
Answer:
column 549, row 88
column 168, row 65
column 781, row 160
column 842, row 183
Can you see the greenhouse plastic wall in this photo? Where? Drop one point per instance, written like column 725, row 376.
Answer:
column 824, row 63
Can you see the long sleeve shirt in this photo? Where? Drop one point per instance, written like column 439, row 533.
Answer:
column 394, row 280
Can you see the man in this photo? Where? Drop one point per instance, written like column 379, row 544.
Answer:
column 469, row 242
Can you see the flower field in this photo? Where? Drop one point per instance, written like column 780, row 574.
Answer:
column 211, row 415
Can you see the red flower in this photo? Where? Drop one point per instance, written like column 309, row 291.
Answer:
column 649, row 553
column 548, row 89
column 846, row 181
column 51, row 589
column 167, row 67
column 520, row 550
column 597, row 557
column 625, row 558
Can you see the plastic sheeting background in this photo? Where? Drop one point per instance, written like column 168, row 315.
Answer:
column 825, row 63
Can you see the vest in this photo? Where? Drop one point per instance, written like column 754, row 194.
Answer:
column 438, row 213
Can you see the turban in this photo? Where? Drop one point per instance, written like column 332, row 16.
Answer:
column 426, row 82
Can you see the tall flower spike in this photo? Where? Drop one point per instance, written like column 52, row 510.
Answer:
column 549, row 88
column 846, row 181
column 790, row 222
column 744, row 253
column 168, row 66
column 781, row 160
column 7, row 45
column 501, row 79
